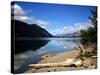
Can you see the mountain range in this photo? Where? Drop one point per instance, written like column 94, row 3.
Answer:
column 74, row 34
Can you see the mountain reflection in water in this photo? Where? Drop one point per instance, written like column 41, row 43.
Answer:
column 24, row 44
column 31, row 50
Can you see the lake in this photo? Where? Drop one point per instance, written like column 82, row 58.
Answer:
column 29, row 50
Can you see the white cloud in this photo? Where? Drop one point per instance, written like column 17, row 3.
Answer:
column 21, row 15
column 21, row 18
column 17, row 10
column 39, row 22
column 73, row 28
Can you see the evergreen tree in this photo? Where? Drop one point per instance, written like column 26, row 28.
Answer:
column 90, row 35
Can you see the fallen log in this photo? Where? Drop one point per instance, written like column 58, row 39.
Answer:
column 67, row 63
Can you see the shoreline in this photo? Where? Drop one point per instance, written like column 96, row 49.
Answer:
column 88, row 63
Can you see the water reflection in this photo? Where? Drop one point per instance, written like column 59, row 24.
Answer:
column 23, row 44
column 60, row 44
column 33, row 49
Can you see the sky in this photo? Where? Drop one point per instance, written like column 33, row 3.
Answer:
column 55, row 18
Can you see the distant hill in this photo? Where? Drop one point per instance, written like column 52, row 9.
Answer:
column 21, row 29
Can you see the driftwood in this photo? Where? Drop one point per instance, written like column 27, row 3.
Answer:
column 67, row 63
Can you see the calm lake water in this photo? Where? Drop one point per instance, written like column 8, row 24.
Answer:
column 31, row 50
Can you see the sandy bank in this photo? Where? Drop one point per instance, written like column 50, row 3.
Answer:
column 88, row 62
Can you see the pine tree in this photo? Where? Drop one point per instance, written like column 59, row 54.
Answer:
column 90, row 35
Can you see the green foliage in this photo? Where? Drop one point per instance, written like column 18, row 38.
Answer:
column 90, row 35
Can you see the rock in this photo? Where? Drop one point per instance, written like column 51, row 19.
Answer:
column 48, row 71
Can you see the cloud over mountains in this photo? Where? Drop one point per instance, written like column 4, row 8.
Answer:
column 73, row 28
column 21, row 15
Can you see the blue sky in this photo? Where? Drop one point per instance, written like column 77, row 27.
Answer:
column 55, row 18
